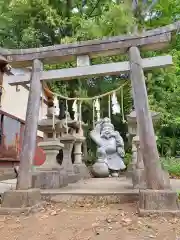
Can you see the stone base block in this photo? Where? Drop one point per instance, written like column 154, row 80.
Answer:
column 129, row 170
column 163, row 202
column 138, row 179
column 73, row 178
column 53, row 179
column 81, row 170
column 20, row 201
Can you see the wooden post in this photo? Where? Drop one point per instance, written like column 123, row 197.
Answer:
column 30, row 133
column 1, row 86
column 148, row 145
column 3, row 68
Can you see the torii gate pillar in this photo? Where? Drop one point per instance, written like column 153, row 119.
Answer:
column 24, row 199
column 158, row 198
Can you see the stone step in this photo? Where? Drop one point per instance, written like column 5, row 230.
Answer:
column 90, row 197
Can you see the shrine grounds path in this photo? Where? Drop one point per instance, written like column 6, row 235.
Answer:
column 91, row 186
column 89, row 221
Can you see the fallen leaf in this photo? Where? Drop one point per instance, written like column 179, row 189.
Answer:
column 44, row 217
column 123, row 214
column 151, row 236
column 126, row 221
column 63, row 210
column 95, row 225
column 108, row 220
column 54, row 213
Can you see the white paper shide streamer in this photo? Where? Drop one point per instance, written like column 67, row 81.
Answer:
column 56, row 106
column 97, row 107
column 115, row 105
column 75, row 110
column 56, row 110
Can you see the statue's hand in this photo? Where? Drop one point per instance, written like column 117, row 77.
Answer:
column 114, row 134
column 121, row 152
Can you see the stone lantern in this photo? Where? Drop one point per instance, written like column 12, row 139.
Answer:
column 71, row 135
column 50, row 175
column 132, row 122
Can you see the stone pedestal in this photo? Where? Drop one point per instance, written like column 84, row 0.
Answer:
column 138, row 173
column 80, row 168
column 50, row 175
column 82, row 171
column 51, row 149
column 132, row 164
column 50, row 179
column 68, row 141
column 20, row 201
column 161, row 202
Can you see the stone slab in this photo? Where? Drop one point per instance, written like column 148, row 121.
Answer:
column 100, row 190
column 52, row 179
column 129, row 170
column 21, row 198
column 73, row 178
column 101, row 198
column 158, row 201
column 82, row 171
column 139, row 179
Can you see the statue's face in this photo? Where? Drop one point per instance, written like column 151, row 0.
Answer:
column 106, row 132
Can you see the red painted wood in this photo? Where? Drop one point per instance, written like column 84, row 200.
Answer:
column 13, row 156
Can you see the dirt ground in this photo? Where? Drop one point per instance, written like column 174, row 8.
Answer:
column 112, row 222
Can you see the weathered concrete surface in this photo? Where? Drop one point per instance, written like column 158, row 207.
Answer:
column 82, row 170
column 99, row 190
column 90, row 186
column 161, row 202
column 53, row 179
column 18, row 201
column 96, row 186
column 21, row 198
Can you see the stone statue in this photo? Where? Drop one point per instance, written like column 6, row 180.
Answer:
column 110, row 146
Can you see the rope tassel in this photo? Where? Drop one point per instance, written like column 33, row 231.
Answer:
column 75, row 110
column 122, row 106
column 115, row 105
column 97, row 107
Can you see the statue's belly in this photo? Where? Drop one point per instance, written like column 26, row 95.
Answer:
column 109, row 145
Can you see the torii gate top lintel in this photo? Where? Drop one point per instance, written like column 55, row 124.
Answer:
column 151, row 40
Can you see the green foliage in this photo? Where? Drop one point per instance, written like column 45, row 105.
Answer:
column 128, row 158
column 172, row 165
column 163, row 85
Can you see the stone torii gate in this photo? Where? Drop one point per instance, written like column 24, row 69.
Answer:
column 157, row 196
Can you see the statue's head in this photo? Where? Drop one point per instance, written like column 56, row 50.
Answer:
column 107, row 128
